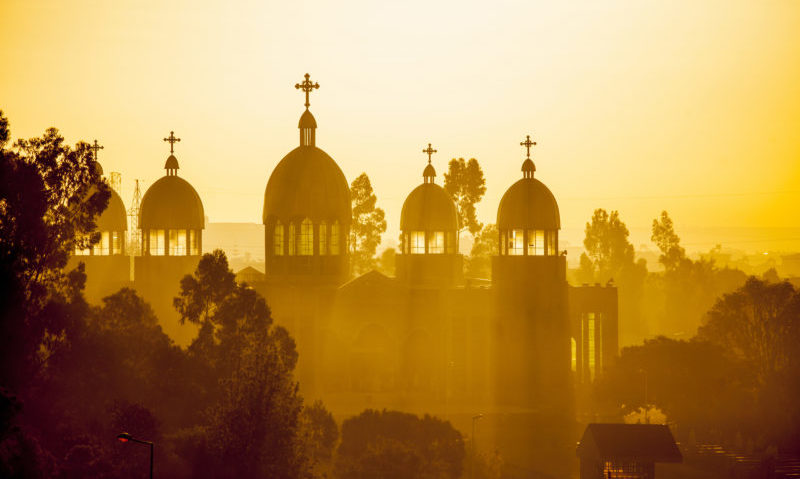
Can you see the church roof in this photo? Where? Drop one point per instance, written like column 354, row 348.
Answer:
column 429, row 208
column 171, row 163
column 114, row 217
column 307, row 183
column 641, row 442
column 528, row 204
column 307, row 120
column 171, row 203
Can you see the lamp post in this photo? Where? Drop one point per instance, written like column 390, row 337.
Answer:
column 474, row 449
column 125, row 437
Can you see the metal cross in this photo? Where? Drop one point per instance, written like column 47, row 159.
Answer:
column 528, row 144
column 172, row 140
column 430, row 151
column 307, row 86
column 94, row 149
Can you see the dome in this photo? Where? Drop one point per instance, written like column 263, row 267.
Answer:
column 429, row 171
column 307, row 183
column 307, row 120
column 114, row 217
column 171, row 203
column 528, row 204
column 429, row 208
column 172, row 163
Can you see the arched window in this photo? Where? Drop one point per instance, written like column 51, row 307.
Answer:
column 552, row 243
column 116, row 242
column 157, row 243
column 516, row 243
column 277, row 239
column 194, row 242
column 436, row 242
column 305, row 247
column 535, row 242
column 417, row 240
column 177, row 243
column 323, row 238
column 292, row 239
column 335, row 238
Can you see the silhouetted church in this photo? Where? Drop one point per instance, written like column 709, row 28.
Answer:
column 518, row 349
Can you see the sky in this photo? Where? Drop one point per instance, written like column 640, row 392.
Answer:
column 639, row 106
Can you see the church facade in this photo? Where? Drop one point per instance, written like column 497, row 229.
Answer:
column 517, row 352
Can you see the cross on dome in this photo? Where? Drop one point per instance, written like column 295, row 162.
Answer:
column 430, row 151
column 95, row 147
column 307, row 86
column 172, row 140
column 528, row 144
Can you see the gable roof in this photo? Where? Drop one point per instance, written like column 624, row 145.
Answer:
column 371, row 279
column 642, row 442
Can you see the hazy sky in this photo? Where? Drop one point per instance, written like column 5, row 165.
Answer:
column 690, row 106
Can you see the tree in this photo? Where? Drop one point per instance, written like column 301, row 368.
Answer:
column 610, row 255
column 387, row 261
column 465, row 183
column 367, row 226
column 668, row 242
column 319, row 435
column 760, row 322
column 50, row 196
column 391, row 444
column 486, row 245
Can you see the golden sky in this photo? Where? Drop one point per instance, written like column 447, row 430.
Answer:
column 685, row 105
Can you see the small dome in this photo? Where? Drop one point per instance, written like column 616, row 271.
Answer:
column 528, row 204
column 528, row 168
column 307, row 183
column 307, row 120
column 172, row 163
column 171, row 203
column 429, row 208
column 98, row 168
column 429, row 171
column 114, row 217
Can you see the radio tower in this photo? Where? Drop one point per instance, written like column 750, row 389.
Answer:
column 135, row 244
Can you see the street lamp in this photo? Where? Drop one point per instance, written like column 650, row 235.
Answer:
column 474, row 449
column 125, row 437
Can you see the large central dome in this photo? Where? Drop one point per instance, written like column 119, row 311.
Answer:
column 307, row 183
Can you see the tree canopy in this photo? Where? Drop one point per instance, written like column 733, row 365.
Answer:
column 465, row 183
column 368, row 224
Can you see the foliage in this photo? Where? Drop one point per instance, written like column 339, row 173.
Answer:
column 391, row 444
column 668, row 242
column 465, row 183
column 387, row 261
column 50, row 195
column 319, row 433
column 610, row 256
column 760, row 323
column 367, row 226
column 486, row 245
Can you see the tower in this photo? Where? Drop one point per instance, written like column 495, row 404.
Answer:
column 531, row 328
column 171, row 221
column 429, row 232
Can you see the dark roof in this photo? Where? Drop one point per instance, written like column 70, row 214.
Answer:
column 528, row 204
column 114, row 217
column 171, row 203
column 372, row 279
column 643, row 442
column 428, row 208
column 307, row 183
column 171, row 163
column 307, row 120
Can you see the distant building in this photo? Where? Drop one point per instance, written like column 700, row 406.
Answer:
column 625, row 451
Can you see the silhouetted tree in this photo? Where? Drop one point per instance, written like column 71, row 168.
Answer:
column 760, row 322
column 391, row 444
column 387, row 261
column 50, row 195
column 367, row 226
column 465, row 183
column 319, row 436
column 486, row 244
column 610, row 255
column 668, row 242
